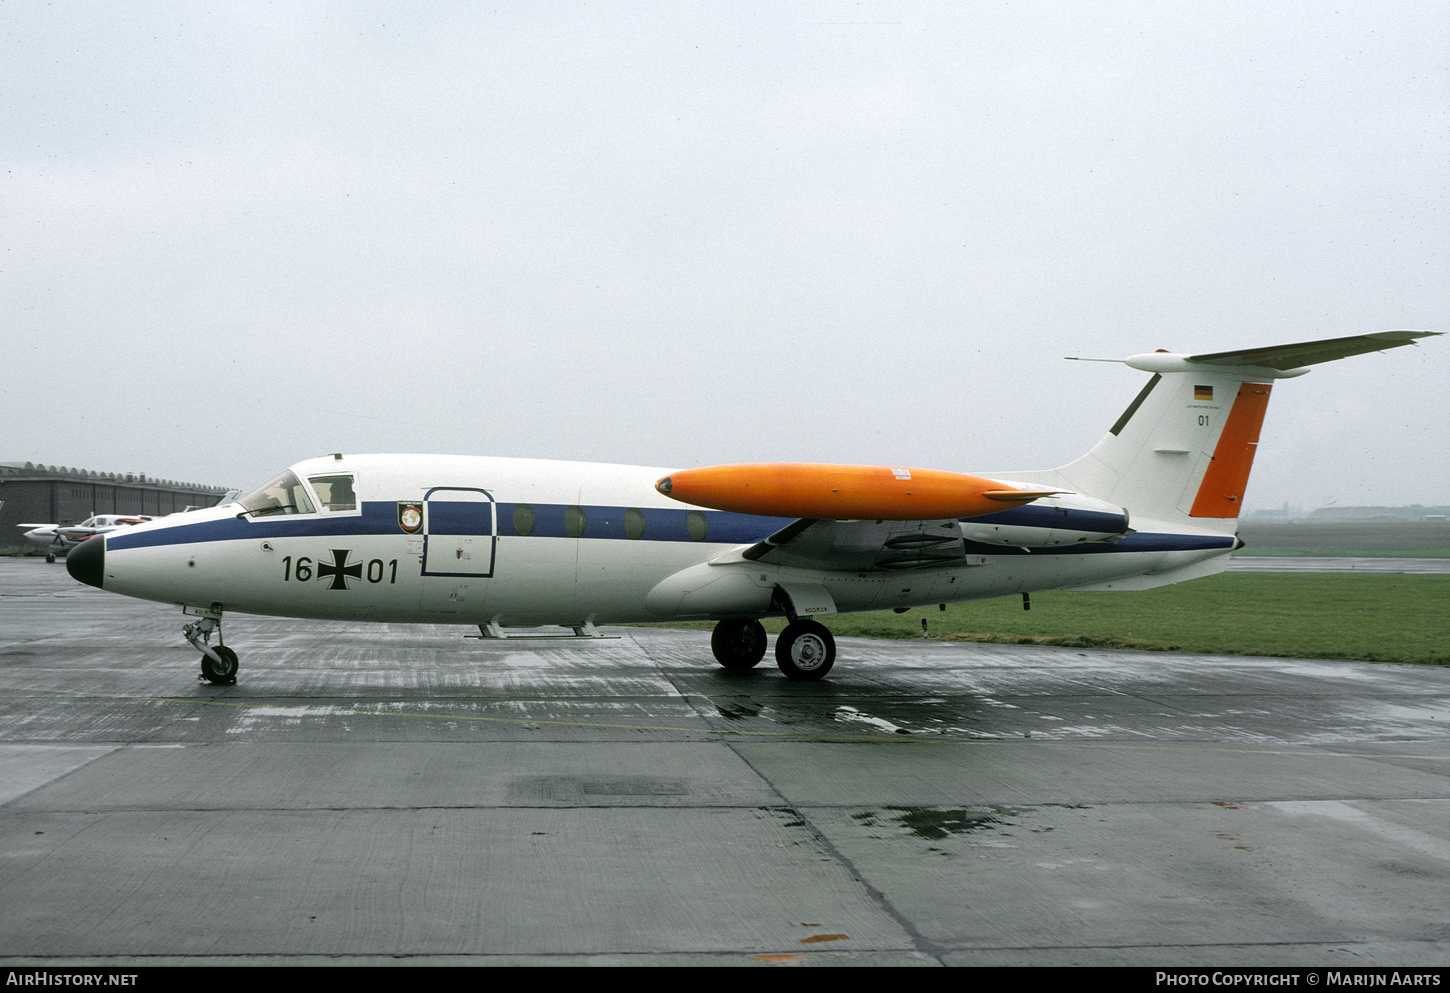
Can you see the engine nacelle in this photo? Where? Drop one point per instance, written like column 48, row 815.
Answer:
column 1050, row 522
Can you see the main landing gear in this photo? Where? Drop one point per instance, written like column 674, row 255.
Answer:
column 218, row 662
column 804, row 651
column 739, row 644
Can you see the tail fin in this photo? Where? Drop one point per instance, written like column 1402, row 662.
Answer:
column 1183, row 449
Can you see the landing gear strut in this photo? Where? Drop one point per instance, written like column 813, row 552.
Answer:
column 218, row 663
column 738, row 644
column 805, row 650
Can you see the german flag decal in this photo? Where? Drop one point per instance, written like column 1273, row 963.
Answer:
column 1203, row 393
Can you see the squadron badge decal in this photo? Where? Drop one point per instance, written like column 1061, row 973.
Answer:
column 410, row 516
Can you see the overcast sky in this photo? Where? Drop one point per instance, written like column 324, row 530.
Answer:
column 239, row 235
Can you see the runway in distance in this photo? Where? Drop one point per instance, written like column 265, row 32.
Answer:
column 514, row 543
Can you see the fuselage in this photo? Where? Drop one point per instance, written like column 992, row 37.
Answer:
column 516, row 542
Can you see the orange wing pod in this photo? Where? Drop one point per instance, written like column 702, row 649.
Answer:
column 842, row 492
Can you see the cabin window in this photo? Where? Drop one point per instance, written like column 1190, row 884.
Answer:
column 334, row 492
column 634, row 523
column 524, row 519
column 574, row 521
column 283, row 495
column 697, row 526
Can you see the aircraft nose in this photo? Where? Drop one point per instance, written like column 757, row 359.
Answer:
column 87, row 561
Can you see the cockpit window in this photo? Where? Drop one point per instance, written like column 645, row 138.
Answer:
column 334, row 492
column 283, row 495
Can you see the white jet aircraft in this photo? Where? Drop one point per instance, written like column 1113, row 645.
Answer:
column 511, row 543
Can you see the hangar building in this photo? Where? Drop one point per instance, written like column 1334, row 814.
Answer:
column 55, row 494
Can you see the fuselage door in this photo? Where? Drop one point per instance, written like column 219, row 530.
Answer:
column 460, row 537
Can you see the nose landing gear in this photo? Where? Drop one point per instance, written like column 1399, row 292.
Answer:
column 218, row 663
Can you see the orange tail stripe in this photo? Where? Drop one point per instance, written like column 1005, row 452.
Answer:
column 1221, row 492
column 840, row 492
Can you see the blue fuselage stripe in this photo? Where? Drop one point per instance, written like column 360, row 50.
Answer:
column 380, row 517
column 1066, row 518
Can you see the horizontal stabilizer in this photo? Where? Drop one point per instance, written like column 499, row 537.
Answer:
column 1312, row 352
column 1273, row 362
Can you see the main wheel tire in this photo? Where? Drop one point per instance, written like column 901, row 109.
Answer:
column 226, row 673
column 738, row 644
column 805, row 650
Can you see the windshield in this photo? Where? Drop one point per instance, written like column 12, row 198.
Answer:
column 283, row 495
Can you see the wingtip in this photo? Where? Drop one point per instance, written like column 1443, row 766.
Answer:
column 1403, row 334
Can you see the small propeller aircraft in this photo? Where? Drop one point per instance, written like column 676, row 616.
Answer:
column 512, row 543
column 58, row 539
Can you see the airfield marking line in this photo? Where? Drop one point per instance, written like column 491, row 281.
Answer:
column 911, row 738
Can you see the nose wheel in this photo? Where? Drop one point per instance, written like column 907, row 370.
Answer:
column 223, row 672
column 805, row 650
column 218, row 662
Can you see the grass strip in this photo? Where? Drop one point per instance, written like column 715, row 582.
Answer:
column 1372, row 618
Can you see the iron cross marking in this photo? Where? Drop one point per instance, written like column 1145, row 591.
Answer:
column 339, row 570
